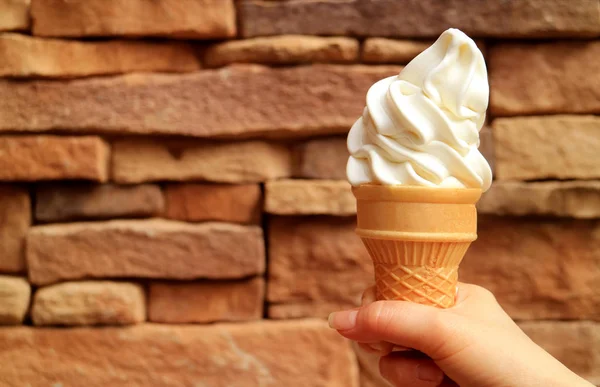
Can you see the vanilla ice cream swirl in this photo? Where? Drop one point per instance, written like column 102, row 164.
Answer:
column 422, row 126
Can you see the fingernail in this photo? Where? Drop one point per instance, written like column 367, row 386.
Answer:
column 342, row 321
column 430, row 373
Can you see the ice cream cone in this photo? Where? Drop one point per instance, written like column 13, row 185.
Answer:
column 417, row 237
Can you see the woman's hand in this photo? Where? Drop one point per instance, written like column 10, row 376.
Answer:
column 474, row 343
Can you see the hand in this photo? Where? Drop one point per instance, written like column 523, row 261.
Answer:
column 474, row 343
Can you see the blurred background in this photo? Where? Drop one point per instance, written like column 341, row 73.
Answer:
column 173, row 204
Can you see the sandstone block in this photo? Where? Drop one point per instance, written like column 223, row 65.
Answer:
column 152, row 248
column 382, row 50
column 89, row 303
column 219, row 355
column 420, row 18
column 14, row 299
column 324, row 158
column 541, row 78
column 31, row 158
column 538, row 268
column 55, row 203
column 15, row 219
column 14, row 15
column 576, row 199
column 316, row 265
column 309, row 197
column 562, row 147
column 576, row 344
column 204, row 302
column 171, row 18
column 24, row 56
column 283, row 50
column 209, row 103
column 239, row 203
column 136, row 161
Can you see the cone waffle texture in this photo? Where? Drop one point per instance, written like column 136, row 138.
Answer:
column 416, row 238
column 423, row 272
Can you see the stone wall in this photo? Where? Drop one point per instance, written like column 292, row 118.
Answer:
column 172, row 183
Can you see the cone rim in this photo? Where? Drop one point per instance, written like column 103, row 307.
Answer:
column 416, row 236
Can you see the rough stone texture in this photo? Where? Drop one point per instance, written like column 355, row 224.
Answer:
column 15, row 219
column 292, row 101
column 143, row 248
column 31, row 158
column 577, row 199
column 283, row 50
column 369, row 368
column 557, row 77
column 420, row 18
column 265, row 353
column 576, row 344
column 135, row 161
column 14, row 15
column 321, row 159
column 240, row 203
column 316, row 265
column 172, row 18
column 562, row 147
column 309, row 197
column 25, row 56
column 382, row 50
column 537, row 268
column 14, row 300
column 204, row 302
column 89, row 303
column 56, row 203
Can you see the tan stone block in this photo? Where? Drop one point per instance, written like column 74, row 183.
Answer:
column 203, row 302
column 323, row 158
column 171, row 18
column 309, row 197
column 25, row 56
column 420, row 18
column 153, row 248
column 89, row 303
column 136, row 161
column 562, row 147
column 538, row 268
column 576, row 344
column 265, row 353
column 577, row 199
column 31, row 158
column 14, row 15
column 283, row 50
column 316, row 264
column 15, row 219
column 541, row 78
column 239, row 203
column 14, row 299
column 382, row 50
column 91, row 201
column 208, row 103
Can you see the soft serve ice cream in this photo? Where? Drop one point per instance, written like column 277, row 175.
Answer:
column 421, row 127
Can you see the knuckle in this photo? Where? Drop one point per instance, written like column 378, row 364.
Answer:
column 374, row 316
column 486, row 295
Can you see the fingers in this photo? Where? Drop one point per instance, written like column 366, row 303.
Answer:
column 399, row 322
column 412, row 369
column 368, row 296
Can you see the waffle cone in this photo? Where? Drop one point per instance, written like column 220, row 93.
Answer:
column 416, row 237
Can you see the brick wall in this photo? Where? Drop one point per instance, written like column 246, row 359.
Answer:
column 173, row 170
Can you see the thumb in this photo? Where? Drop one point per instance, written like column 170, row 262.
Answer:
column 402, row 323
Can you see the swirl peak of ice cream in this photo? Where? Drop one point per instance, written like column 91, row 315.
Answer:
column 421, row 127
